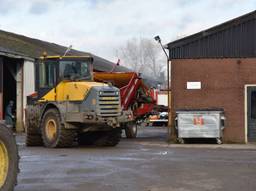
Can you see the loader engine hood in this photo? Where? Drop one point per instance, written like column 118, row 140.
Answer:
column 99, row 98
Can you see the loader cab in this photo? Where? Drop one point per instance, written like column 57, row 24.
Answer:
column 51, row 70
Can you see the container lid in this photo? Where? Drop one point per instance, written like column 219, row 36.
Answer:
column 205, row 110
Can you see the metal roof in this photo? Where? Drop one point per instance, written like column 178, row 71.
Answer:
column 23, row 46
column 19, row 46
column 233, row 39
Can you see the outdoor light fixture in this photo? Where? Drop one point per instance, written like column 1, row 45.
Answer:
column 158, row 39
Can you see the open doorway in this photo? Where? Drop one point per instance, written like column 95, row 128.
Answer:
column 9, row 83
column 11, row 90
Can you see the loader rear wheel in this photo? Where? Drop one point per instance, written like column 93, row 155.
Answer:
column 33, row 135
column 54, row 133
column 108, row 138
column 33, row 140
column 8, row 160
column 131, row 130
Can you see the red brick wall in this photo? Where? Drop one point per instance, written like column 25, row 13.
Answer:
column 222, row 81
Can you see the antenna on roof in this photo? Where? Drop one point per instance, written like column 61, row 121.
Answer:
column 68, row 49
column 117, row 64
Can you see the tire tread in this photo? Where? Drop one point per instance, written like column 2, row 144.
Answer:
column 66, row 137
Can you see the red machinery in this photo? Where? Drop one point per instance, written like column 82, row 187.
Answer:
column 135, row 96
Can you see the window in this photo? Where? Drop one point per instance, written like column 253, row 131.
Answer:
column 75, row 70
column 47, row 74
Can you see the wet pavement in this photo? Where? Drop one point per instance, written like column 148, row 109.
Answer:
column 146, row 163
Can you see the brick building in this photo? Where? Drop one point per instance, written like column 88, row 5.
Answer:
column 220, row 63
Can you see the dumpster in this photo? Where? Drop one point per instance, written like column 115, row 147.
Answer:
column 200, row 124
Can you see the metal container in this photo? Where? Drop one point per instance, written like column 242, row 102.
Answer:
column 200, row 124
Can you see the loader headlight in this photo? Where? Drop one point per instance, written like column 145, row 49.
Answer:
column 100, row 92
column 117, row 93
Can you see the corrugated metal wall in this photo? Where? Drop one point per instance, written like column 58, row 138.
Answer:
column 236, row 41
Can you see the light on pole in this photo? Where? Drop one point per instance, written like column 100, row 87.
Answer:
column 158, row 39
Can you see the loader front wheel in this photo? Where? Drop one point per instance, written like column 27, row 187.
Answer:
column 87, row 138
column 131, row 130
column 8, row 159
column 53, row 131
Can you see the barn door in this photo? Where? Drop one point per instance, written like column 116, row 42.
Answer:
column 251, row 113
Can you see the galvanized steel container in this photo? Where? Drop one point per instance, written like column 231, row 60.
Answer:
column 200, row 124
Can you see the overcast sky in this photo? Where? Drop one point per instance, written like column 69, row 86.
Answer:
column 101, row 26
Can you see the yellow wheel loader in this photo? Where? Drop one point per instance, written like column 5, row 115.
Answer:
column 69, row 105
column 8, row 159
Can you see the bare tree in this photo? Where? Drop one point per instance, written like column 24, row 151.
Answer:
column 143, row 56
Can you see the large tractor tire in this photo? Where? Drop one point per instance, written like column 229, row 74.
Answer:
column 33, row 134
column 108, row 138
column 8, row 160
column 101, row 138
column 88, row 138
column 53, row 131
column 131, row 130
column 33, row 140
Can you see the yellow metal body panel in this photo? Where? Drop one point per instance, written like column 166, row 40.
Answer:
column 70, row 91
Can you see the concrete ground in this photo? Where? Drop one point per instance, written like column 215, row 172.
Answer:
column 146, row 163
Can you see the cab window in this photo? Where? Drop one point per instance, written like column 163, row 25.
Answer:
column 47, row 74
column 75, row 70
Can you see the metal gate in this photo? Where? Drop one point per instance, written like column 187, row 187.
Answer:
column 251, row 113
